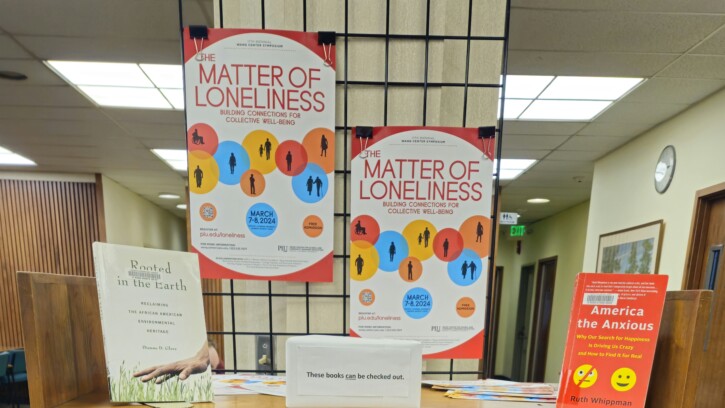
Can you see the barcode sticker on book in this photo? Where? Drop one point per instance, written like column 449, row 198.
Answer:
column 135, row 273
column 600, row 298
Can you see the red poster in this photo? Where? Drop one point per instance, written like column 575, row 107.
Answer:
column 610, row 346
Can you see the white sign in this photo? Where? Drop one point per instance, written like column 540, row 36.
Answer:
column 509, row 218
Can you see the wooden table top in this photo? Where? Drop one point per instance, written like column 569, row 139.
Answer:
column 430, row 399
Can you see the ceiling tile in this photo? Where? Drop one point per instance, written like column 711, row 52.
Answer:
column 146, row 115
column 156, row 131
column 10, row 49
column 531, row 127
column 559, row 30
column 579, row 155
column 635, row 112
column 40, row 113
column 594, row 143
column 37, row 72
column 564, row 166
column 674, row 90
column 61, row 96
column 714, row 45
column 697, row 66
column 598, row 128
column 59, row 129
column 508, row 153
column 104, row 49
column 587, row 63
column 532, row 142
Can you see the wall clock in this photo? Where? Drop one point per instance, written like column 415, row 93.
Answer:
column 665, row 169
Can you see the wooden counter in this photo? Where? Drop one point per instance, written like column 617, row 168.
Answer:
column 430, row 399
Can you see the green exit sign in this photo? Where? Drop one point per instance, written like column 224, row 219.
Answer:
column 518, row 230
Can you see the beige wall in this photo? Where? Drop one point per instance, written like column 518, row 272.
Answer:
column 623, row 193
column 561, row 235
column 133, row 220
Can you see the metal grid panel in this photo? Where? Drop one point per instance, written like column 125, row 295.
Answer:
column 260, row 295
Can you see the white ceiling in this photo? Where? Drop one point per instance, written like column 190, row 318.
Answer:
column 678, row 45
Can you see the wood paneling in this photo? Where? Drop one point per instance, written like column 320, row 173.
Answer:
column 64, row 343
column 45, row 226
column 679, row 354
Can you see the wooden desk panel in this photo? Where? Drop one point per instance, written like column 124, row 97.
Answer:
column 430, row 399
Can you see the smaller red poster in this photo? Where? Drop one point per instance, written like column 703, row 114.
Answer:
column 613, row 328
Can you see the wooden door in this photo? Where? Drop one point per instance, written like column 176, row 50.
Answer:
column 706, row 270
column 542, row 319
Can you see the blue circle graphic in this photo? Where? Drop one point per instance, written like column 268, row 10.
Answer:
column 417, row 303
column 262, row 220
column 311, row 185
column 392, row 248
column 231, row 155
column 465, row 276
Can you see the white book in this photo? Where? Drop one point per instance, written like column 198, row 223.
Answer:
column 152, row 317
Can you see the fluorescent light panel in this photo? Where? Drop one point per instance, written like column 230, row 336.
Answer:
column 512, row 168
column 563, row 97
column 8, row 158
column 126, row 85
column 176, row 158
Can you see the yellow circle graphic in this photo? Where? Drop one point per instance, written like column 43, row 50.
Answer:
column 420, row 234
column 261, row 147
column 364, row 261
column 203, row 172
column 624, row 379
column 585, row 376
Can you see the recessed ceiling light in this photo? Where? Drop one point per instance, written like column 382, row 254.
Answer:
column 181, row 206
column 514, row 107
column 165, row 76
column 169, row 196
column 588, row 88
column 538, row 200
column 564, row 110
column 124, row 97
column 512, row 168
column 101, row 73
column 526, row 86
column 8, row 158
column 176, row 158
column 12, row 75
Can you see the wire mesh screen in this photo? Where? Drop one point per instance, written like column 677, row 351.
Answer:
column 399, row 62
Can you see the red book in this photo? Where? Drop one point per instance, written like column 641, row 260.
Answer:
column 613, row 328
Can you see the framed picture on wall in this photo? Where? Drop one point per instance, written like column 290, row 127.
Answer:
column 632, row 250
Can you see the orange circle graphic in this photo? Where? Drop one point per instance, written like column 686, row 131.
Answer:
column 410, row 269
column 252, row 178
column 476, row 232
column 312, row 226
column 320, row 146
column 465, row 307
column 207, row 212
column 366, row 297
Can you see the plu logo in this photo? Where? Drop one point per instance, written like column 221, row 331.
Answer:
column 436, row 329
column 282, row 248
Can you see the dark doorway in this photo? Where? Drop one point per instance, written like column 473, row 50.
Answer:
column 496, row 284
column 523, row 322
column 705, row 270
column 542, row 319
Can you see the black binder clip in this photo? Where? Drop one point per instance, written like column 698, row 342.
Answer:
column 486, row 132
column 199, row 32
column 326, row 38
column 363, row 132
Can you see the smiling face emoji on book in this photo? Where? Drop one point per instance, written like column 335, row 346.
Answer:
column 623, row 379
column 584, row 376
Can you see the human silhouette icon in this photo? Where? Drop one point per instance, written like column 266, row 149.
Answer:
column 232, row 163
column 472, row 267
column 323, row 146
column 410, row 270
column 318, row 184
column 464, row 269
column 268, row 148
column 359, row 263
column 445, row 248
column 479, row 232
column 391, row 250
column 198, row 176
column 288, row 158
column 309, row 185
column 420, row 239
column 196, row 138
column 261, row 150
column 252, row 189
column 426, row 236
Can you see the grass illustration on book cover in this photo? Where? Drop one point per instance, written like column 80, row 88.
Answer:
column 152, row 317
